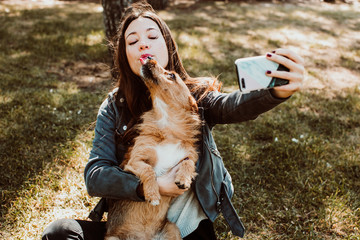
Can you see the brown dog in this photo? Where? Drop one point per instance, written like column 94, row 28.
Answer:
column 167, row 137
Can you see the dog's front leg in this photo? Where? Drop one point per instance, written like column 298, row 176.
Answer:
column 140, row 165
column 186, row 173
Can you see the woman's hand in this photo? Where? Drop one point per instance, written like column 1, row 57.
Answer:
column 167, row 186
column 296, row 73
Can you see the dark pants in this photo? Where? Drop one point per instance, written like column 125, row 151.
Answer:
column 66, row 229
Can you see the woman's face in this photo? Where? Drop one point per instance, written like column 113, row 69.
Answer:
column 143, row 38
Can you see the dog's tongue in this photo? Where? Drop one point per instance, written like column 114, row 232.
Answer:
column 143, row 59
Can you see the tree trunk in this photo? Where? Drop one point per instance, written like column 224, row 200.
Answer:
column 112, row 13
column 114, row 9
column 158, row 4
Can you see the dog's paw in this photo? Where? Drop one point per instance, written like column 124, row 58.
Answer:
column 180, row 185
column 153, row 197
column 183, row 182
column 185, row 175
column 155, row 202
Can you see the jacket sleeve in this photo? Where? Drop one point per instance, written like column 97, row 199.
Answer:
column 235, row 107
column 103, row 177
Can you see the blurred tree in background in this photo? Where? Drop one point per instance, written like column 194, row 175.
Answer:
column 114, row 9
column 112, row 13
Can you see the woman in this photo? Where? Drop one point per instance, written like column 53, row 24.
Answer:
column 141, row 34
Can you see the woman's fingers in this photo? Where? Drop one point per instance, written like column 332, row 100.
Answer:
column 295, row 75
column 292, row 76
column 290, row 54
column 288, row 62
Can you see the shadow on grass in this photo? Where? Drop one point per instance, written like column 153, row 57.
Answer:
column 296, row 175
column 42, row 105
column 293, row 168
column 219, row 33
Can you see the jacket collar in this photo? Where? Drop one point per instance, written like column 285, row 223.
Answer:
column 118, row 97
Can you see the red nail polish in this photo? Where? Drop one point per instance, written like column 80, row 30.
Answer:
column 269, row 55
column 268, row 72
column 273, row 51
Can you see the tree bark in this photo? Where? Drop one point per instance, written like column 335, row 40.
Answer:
column 114, row 9
column 158, row 4
column 112, row 12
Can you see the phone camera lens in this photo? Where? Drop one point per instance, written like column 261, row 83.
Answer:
column 243, row 83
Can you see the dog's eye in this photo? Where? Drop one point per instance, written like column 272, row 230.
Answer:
column 172, row 76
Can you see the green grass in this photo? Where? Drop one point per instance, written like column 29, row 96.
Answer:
column 45, row 114
column 295, row 169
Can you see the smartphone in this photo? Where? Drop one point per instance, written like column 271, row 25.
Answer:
column 251, row 73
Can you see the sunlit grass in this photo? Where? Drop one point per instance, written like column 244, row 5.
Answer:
column 46, row 116
column 295, row 169
column 288, row 163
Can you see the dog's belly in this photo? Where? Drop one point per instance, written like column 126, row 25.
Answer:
column 168, row 155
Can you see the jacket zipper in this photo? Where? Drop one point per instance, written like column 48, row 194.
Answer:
column 218, row 202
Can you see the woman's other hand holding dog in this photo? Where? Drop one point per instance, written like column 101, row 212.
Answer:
column 296, row 73
column 167, row 186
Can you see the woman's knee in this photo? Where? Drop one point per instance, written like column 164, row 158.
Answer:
column 63, row 229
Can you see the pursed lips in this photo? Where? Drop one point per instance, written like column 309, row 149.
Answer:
column 144, row 57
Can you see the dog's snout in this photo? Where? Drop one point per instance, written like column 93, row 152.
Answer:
column 146, row 72
column 148, row 69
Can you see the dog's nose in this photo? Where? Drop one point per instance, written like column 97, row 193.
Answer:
column 150, row 61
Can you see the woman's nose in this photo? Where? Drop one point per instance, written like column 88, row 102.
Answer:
column 143, row 46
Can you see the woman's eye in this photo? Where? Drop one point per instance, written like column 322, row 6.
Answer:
column 133, row 42
column 153, row 37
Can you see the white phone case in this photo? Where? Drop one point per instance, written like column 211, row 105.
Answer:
column 251, row 73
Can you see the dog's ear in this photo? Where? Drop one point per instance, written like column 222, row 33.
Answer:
column 193, row 104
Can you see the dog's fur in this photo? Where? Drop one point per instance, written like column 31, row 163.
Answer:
column 167, row 137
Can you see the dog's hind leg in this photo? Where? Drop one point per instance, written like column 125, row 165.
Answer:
column 112, row 238
column 169, row 232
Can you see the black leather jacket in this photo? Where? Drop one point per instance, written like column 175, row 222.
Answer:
column 105, row 179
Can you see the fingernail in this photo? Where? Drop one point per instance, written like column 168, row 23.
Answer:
column 273, row 51
column 269, row 55
column 268, row 72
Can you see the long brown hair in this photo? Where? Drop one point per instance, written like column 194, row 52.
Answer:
column 135, row 92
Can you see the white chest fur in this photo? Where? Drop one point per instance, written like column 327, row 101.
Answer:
column 168, row 156
column 162, row 109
